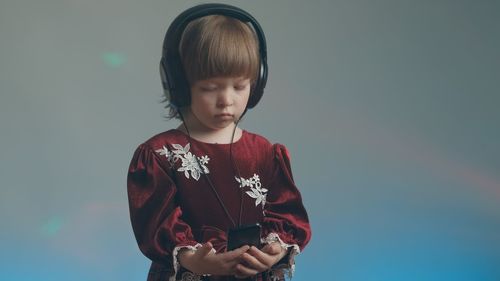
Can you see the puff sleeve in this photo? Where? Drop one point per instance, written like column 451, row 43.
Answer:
column 285, row 218
column 156, row 218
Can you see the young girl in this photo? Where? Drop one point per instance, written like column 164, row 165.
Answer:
column 188, row 186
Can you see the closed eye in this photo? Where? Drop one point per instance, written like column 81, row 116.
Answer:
column 240, row 87
column 208, row 88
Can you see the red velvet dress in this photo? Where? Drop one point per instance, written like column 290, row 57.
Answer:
column 172, row 205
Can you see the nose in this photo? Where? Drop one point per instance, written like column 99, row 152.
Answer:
column 225, row 98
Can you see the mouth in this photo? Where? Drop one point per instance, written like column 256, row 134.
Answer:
column 224, row 116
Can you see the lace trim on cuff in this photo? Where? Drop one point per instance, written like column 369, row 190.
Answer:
column 188, row 275
column 279, row 270
column 177, row 264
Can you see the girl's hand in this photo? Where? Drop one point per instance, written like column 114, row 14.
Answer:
column 255, row 260
column 205, row 261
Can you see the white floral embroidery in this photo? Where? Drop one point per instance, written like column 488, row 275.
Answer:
column 189, row 165
column 166, row 152
column 256, row 190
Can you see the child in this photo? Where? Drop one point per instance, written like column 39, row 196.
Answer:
column 188, row 186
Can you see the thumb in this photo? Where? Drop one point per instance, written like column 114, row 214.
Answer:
column 272, row 249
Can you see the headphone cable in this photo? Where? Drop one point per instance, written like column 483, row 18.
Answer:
column 207, row 178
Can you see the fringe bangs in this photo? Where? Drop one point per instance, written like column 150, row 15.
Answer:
column 218, row 47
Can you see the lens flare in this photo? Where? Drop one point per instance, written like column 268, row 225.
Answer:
column 52, row 226
column 113, row 59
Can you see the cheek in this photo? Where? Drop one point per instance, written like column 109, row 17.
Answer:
column 198, row 108
column 201, row 101
column 245, row 98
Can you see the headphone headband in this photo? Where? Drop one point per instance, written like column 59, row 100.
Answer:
column 171, row 69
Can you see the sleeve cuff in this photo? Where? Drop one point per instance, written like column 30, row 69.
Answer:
column 286, row 266
column 186, row 275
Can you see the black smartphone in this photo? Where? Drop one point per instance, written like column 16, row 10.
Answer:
column 243, row 235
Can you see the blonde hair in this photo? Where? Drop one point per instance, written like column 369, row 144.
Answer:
column 218, row 46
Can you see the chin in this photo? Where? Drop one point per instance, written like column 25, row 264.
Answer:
column 221, row 126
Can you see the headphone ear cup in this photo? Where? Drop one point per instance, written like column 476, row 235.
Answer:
column 167, row 83
column 254, row 97
column 163, row 75
column 260, row 84
column 174, row 83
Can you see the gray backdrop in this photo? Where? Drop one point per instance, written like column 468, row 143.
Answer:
column 389, row 109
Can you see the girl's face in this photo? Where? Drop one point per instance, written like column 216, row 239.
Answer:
column 217, row 103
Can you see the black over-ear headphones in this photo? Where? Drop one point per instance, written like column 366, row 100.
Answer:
column 172, row 73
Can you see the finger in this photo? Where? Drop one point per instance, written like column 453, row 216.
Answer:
column 231, row 255
column 205, row 249
column 272, row 249
column 242, row 270
column 242, row 249
column 251, row 262
column 261, row 256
